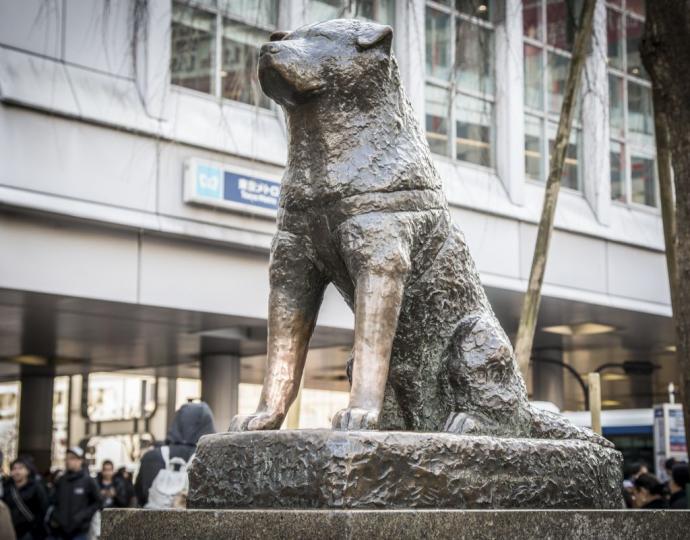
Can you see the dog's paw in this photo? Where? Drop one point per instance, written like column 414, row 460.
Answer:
column 256, row 422
column 463, row 424
column 354, row 418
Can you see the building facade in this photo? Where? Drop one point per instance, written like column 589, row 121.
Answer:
column 140, row 166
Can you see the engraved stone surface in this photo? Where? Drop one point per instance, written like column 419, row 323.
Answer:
column 131, row 524
column 373, row 469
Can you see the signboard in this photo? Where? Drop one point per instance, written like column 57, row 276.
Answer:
column 228, row 186
column 669, row 436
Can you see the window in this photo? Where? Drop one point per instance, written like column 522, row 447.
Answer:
column 549, row 28
column 631, row 117
column 382, row 11
column 460, row 79
column 215, row 47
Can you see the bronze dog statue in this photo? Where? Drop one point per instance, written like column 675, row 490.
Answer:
column 362, row 206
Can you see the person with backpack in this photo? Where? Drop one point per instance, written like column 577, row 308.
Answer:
column 162, row 478
column 77, row 499
column 26, row 499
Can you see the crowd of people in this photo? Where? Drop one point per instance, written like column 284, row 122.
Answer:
column 643, row 490
column 66, row 505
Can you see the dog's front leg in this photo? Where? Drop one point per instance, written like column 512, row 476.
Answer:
column 377, row 305
column 296, row 292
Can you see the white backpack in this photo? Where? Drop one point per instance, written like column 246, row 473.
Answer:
column 169, row 488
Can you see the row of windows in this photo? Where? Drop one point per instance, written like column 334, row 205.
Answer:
column 460, row 79
column 549, row 32
column 215, row 48
column 630, row 106
column 460, row 89
column 215, row 42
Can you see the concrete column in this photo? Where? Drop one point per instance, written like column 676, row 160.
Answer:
column 595, row 157
column 547, row 383
column 36, row 414
column 220, row 385
column 76, row 422
column 510, row 121
column 170, row 399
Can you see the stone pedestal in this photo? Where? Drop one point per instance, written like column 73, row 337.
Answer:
column 406, row 470
column 395, row 524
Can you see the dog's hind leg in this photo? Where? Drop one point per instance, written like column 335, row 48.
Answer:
column 490, row 395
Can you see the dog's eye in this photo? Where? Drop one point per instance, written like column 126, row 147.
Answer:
column 278, row 36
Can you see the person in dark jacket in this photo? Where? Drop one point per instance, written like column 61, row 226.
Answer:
column 27, row 500
column 680, row 478
column 77, row 499
column 649, row 493
column 112, row 487
column 191, row 421
column 126, row 478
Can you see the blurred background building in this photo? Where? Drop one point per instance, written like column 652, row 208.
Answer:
column 139, row 170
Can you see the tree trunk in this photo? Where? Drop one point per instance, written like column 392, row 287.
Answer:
column 666, row 58
column 530, row 305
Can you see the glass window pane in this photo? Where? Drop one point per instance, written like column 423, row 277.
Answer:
column 617, row 172
column 381, row 11
column 474, row 55
column 473, row 130
column 616, row 104
column 192, row 62
column 570, row 178
column 258, row 12
column 634, row 29
column 637, row 6
column 533, row 148
column 437, row 44
column 558, row 66
column 482, row 9
column 240, row 55
column 119, row 396
column 437, row 111
column 561, row 22
column 531, row 19
column 614, row 26
column 533, row 78
column 640, row 118
column 642, row 181
column 323, row 10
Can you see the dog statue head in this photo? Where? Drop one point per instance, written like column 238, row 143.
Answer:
column 338, row 59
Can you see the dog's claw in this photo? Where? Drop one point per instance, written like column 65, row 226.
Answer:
column 355, row 418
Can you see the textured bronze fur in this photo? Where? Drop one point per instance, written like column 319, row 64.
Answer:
column 362, row 206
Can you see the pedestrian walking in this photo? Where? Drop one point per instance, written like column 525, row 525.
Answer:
column 111, row 487
column 649, row 493
column 77, row 499
column 26, row 499
column 678, row 486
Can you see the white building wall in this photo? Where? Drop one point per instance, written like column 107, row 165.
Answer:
column 86, row 135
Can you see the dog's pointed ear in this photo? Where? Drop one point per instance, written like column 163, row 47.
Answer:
column 375, row 35
column 278, row 35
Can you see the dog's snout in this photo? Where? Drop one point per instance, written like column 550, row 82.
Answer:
column 269, row 48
